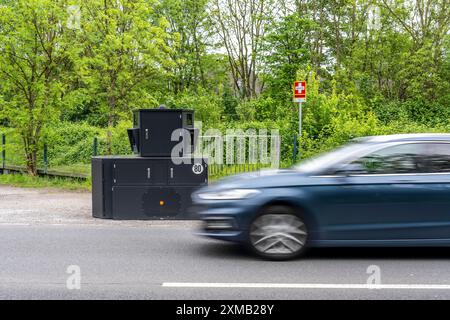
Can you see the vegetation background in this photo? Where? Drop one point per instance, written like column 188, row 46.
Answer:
column 73, row 70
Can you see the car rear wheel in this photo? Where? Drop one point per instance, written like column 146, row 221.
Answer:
column 278, row 234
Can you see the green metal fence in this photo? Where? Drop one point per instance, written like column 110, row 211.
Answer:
column 234, row 154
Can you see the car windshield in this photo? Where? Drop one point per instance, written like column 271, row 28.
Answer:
column 332, row 158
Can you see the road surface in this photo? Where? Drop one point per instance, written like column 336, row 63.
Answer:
column 168, row 262
column 40, row 240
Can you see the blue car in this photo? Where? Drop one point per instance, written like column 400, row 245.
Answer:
column 375, row 191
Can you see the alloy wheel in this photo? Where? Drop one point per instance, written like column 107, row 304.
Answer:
column 276, row 235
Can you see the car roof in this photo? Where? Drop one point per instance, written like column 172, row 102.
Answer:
column 406, row 137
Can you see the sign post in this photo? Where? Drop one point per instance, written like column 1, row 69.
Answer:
column 300, row 97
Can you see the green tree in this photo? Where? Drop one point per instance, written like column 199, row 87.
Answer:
column 287, row 48
column 125, row 50
column 35, row 55
column 187, row 20
column 240, row 27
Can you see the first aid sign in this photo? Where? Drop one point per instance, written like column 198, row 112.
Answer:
column 299, row 91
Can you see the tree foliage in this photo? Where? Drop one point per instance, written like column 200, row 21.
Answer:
column 372, row 66
column 35, row 56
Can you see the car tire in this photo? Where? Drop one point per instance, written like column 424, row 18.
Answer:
column 278, row 233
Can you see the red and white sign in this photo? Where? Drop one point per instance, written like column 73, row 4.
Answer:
column 300, row 91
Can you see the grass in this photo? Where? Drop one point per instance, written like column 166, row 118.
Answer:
column 74, row 168
column 27, row 181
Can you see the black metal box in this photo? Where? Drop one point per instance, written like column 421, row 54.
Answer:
column 153, row 130
column 127, row 187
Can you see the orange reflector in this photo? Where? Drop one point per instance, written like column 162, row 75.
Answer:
column 161, row 203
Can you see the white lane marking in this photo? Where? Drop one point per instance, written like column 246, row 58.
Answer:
column 306, row 285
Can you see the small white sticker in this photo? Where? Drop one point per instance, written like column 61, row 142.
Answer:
column 197, row 168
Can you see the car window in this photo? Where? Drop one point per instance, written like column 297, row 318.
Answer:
column 438, row 157
column 332, row 159
column 405, row 158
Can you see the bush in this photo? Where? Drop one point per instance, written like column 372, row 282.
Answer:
column 207, row 106
column 70, row 143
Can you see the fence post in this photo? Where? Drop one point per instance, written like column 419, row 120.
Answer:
column 94, row 147
column 45, row 158
column 3, row 152
column 294, row 154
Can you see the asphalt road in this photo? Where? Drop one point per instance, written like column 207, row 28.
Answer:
column 119, row 261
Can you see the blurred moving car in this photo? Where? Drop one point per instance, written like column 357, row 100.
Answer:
column 375, row 191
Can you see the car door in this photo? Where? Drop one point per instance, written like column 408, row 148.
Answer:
column 399, row 192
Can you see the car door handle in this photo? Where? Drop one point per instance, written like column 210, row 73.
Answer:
column 148, row 173
column 146, row 134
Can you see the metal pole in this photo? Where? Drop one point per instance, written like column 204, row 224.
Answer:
column 45, row 159
column 299, row 129
column 3, row 152
column 294, row 153
column 95, row 146
column 300, row 119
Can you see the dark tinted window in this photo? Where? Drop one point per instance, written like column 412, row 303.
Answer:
column 438, row 157
column 136, row 119
column 189, row 119
column 405, row 158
